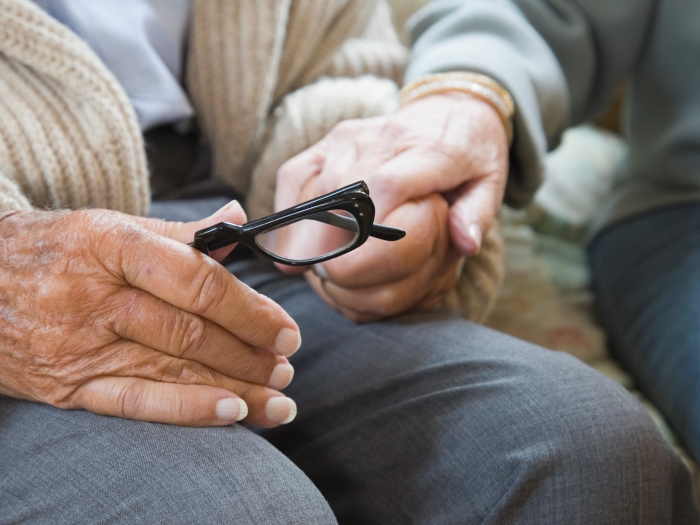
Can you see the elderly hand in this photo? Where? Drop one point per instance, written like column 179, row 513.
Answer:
column 116, row 315
column 436, row 168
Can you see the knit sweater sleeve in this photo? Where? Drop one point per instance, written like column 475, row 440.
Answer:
column 376, row 50
column 560, row 59
column 69, row 137
column 11, row 197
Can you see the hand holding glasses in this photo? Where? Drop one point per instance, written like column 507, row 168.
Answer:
column 309, row 233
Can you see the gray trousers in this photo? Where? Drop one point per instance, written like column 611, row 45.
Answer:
column 419, row 419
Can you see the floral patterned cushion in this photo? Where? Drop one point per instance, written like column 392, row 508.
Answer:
column 546, row 297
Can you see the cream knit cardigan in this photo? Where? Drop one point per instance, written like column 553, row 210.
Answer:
column 268, row 79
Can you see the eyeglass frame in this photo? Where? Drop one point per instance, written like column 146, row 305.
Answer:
column 353, row 199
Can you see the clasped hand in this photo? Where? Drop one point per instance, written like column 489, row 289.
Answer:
column 117, row 315
column 437, row 169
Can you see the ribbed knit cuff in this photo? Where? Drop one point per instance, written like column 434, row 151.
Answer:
column 11, row 197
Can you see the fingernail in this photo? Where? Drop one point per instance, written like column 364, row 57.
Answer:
column 281, row 376
column 474, row 233
column 231, row 409
column 288, row 341
column 280, row 410
column 231, row 206
column 320, row 271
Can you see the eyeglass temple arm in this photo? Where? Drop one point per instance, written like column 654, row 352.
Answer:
column 385, row 233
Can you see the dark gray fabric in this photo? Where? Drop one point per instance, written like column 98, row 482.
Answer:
column 420, row 419
column 180, row 168
column 59, row 467
column 646, row 271
column 431, row 419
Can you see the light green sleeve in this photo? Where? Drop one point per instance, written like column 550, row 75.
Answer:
column 560, row 59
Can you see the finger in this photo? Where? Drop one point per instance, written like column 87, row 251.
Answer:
column 411, row 174
column 353, row 315
column 147, row 400
column 142, row 318
column 473, row 210
column 184, row 231
column 357, row 317
column 295, row 173
column 316, row 283
column 380, row 262
column 414, row 174
column 291, row 270
column 126, row 359
column 436, row 279
column 192, row 282
column 350, row 148
column 393, row 177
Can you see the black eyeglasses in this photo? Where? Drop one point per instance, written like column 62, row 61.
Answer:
column 309, row 233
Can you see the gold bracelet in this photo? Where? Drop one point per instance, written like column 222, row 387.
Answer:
column 478, row 85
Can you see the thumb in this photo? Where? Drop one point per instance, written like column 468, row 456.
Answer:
column 473, row 209
column 184, row 231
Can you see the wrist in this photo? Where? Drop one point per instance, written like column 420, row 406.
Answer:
column 475, row 85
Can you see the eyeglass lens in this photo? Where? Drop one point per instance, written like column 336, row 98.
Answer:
column 311, row 237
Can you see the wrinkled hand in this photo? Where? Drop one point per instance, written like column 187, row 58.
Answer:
column 437, row 168
column 116, row 315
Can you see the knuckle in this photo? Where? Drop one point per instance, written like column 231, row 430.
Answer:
column 453, row 275
column 179, row 409
column 57, row 369
column 360, row 318
column 429, row 305
column 43, row 359
column 245, row 391
column 346, row 128
column 106, row 226
column 189, row 336
column 209, row 287
column 123, row 306
column 395, row 129
column 117, row 242
column 130, row 401
column 59, row 398
column 384, row 303
column 354, row 316
column 259, row 367
column 249, row 370
column 261, row 330
column 181, row 372
column 262, row 316
column 386, row 183
column 284, row 172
